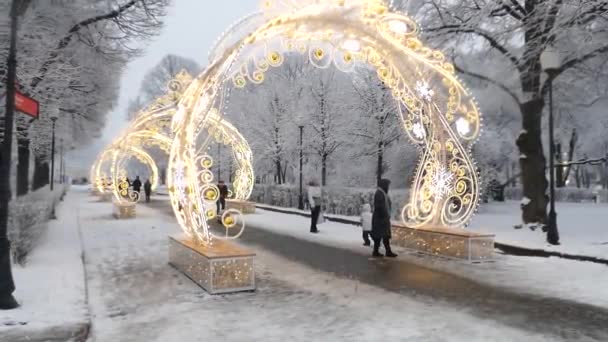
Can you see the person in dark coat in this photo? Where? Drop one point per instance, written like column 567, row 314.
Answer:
column 381, row 219
column 148, row 190
column 221, row 202
column 136, row 184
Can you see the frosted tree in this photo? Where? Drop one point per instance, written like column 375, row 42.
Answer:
column 514, row 34
column 268, row 115
column 155, row 81
column 379, row 124
column 329, row 120
column 53, row 39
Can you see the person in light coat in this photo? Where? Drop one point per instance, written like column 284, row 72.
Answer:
column 366, row 223
column 314, row 199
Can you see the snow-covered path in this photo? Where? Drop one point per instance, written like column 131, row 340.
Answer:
column 136, row 296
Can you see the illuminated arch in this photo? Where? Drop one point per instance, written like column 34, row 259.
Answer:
column 438, row 113
column 100, row 172
column 120, row 154
column 152, row 128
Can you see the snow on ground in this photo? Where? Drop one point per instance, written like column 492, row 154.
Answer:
column 583, row 227
column 574, row 280
column 136, row 296
column 50, row 288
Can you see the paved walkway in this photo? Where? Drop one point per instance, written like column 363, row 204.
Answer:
column 562, row 318
column 136, row 296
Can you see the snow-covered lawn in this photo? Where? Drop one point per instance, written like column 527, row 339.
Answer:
column 583, row 227
column 50, row 288
column 574, row 280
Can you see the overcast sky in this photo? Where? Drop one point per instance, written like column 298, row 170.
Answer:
column 191, row 27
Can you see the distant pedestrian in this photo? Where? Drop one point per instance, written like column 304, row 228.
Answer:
column 148, row 190
column 366, row 223
column 381, row 220
column 221, row 201
column 314, row 199
column 136, row 184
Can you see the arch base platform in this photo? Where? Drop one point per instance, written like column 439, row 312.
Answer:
column 221, row 267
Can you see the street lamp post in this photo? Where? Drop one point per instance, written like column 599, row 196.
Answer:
column 61, row 161
column 53, row 119
column 551, row 63
column 300, row 196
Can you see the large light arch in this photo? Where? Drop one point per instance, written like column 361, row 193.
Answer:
column 437, row 111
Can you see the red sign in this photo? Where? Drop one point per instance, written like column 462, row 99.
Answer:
column 27, row 105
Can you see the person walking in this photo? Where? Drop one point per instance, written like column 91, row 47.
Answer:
column 314, row 200
column 221, row 201
column 366, row 223
column 137, row 185
column 148, row 190
column 381, row 220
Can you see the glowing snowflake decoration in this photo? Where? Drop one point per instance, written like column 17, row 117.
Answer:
column 423, row 89
column 180, row 181
column 418, row 130
column 462, row 126
column 441, row 182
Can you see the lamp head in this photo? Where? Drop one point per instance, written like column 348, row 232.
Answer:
column 54, row 115
column 550, row 60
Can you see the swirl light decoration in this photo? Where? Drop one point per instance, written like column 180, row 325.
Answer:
column 438, row 112
column 151, row 128
column 100, row 172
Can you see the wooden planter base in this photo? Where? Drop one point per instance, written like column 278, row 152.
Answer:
column 446, row 242
column 222, row 267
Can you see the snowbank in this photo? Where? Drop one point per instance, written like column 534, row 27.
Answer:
column 583, row 227
column 28, row 219
column 51, row 286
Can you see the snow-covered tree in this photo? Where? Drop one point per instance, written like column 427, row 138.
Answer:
column 71, row 54
column 155, row 81
column 379, row 124
column 513, row 35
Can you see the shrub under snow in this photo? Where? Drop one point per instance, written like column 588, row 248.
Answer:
column 28, row 218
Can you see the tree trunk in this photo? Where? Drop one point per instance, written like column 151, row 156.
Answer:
column 324, row 170
column 573, row 140
column 284, row 173
column 278, row 171
column 605, row 175
column 532, row 162
column 587, row 178
column 380, row 155
column 23, row 166
column 514, row 169
column 41, row 173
